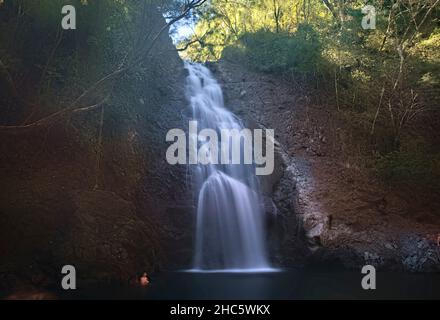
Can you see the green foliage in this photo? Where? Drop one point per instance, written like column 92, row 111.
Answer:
column 411, row 167
column 359, row 73
column 45, row 13
column 282, row 53
column 49, row 64
column 223, row 23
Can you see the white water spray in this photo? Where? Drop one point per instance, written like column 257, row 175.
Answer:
column 230, row 215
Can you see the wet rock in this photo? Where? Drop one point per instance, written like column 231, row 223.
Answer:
column 212, row 66
column 389, row 246
column 335, row 258
column 419, row 255
column 372, row 258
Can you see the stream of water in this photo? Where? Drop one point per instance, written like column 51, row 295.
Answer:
column 229, row 224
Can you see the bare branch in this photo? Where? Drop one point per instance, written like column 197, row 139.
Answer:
column 53, row 117
column 189, row 5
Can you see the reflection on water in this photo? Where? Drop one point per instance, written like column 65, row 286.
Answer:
column 285, row 285
column 226, row 271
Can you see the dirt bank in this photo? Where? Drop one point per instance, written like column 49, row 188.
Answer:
column 349, row 217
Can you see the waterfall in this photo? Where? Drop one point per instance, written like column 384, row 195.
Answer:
column 230, row 215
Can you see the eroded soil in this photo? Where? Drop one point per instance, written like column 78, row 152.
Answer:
column 348, row 214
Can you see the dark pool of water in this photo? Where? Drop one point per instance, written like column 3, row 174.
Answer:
column 286, row 285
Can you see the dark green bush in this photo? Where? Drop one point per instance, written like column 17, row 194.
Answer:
column 282, row 52
column 410, row 167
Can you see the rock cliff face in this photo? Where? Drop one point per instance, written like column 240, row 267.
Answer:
column 112, row 210
column 244, row 91
column 325, row 211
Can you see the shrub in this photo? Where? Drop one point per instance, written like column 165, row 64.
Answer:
column 410, row 167
column 282, row 52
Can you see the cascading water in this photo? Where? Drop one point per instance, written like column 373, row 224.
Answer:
column 229, row 226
